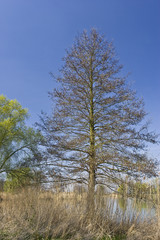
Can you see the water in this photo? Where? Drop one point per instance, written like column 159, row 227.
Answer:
column 129, row 208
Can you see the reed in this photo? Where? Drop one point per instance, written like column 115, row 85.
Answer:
column 33, row 215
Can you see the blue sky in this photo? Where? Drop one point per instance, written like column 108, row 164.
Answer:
column 35, row 33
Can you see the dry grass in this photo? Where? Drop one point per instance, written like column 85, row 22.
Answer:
column 35, row 215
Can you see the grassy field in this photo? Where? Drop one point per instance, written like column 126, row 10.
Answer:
column 37, row 215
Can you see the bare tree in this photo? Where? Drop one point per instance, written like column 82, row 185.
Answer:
column 95, row 133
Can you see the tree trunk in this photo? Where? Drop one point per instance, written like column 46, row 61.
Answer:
column 91, row 192
column 92, row 163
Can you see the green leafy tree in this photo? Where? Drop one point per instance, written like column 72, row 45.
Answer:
column 95, row 133
column 16, row 139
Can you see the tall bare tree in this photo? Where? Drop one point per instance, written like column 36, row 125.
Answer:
column 95, row 133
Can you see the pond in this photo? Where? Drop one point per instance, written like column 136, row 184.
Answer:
column 128, row 208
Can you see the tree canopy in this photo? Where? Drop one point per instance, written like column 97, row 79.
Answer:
column 96, row 132
column 15, row 137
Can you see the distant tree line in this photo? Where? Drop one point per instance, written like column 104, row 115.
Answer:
column 139, row 190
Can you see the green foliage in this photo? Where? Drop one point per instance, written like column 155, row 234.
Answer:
column 121, row 188
column 15, row 137
column 22, row 177
column 17, row 179
column 1, row 185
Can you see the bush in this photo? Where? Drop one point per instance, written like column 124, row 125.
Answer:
column 18, row 179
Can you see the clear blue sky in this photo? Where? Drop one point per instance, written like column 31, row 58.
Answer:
column 35, row 33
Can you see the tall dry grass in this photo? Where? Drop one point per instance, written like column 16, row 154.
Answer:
column 35, row 215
